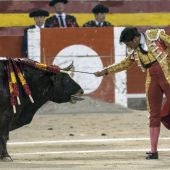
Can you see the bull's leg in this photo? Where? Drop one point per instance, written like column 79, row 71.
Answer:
column 4, row 135
column 4, row 153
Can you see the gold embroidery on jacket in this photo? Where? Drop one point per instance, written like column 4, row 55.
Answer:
column 123, row 65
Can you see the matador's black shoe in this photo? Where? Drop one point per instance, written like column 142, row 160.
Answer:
column 151, row 155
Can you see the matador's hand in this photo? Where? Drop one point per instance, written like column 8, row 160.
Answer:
column 100, row 73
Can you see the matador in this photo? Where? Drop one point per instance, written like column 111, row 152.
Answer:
column 150, row 51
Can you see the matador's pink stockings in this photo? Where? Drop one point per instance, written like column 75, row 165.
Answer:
column 154, row 136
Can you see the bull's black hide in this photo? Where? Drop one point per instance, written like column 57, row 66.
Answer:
column 45, row 86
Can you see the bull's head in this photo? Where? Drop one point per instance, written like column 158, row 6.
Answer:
column 65, row 89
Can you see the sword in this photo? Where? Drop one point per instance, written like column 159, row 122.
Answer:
column 84, row 72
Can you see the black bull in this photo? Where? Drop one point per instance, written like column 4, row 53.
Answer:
column 44, row 86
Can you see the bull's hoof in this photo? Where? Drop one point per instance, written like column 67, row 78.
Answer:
column 6, row 158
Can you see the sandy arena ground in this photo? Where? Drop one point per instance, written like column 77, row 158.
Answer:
column 116, row 139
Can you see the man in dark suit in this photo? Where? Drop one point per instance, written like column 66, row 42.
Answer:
column 60, row 19
column 39, row 18
column 100, row 15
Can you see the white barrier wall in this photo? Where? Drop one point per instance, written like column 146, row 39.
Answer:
column 121, row 77
column 34, row 50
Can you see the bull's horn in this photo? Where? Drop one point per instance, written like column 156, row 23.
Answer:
column 68, row 68
column 63, row 71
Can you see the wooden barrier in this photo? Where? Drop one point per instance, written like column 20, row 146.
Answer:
column 53, row 41
column 10, row 46
column 100, row 40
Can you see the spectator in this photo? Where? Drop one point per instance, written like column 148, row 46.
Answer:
column 100, row 12
column 60, row 19
column 39, row 18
